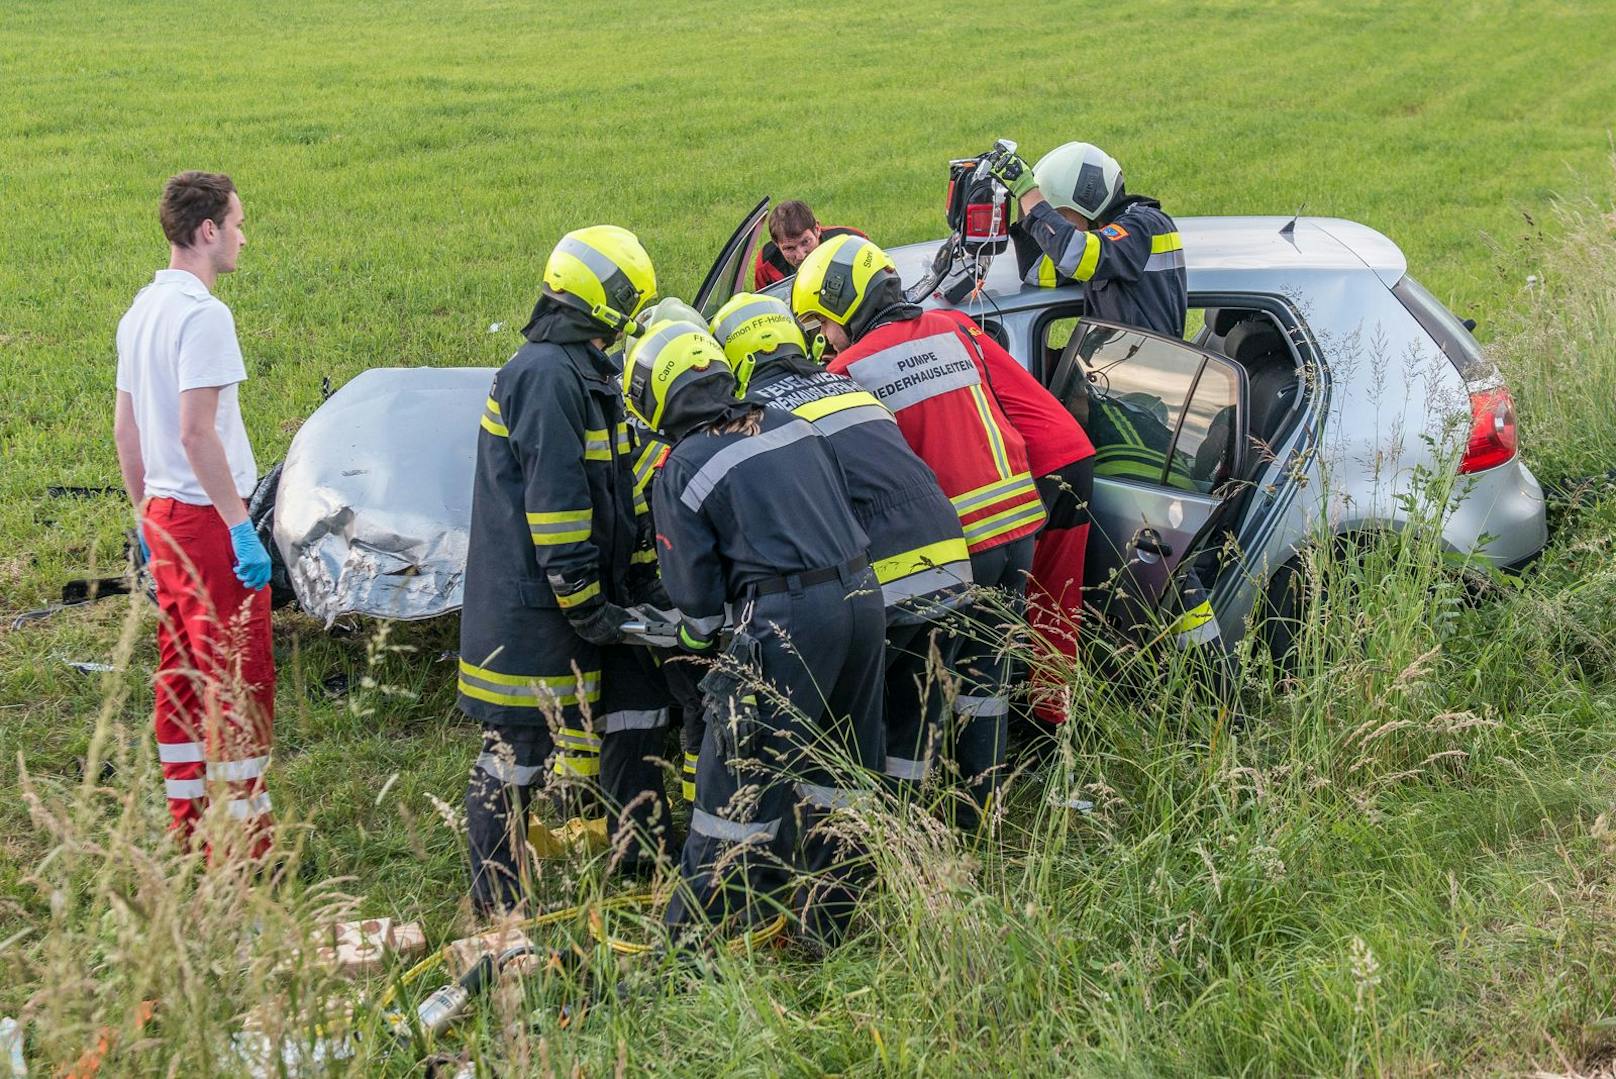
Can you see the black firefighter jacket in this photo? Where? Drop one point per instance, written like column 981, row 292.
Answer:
column 1131, row 267
column 733, row 510
column 553, row 532
column 917, row 547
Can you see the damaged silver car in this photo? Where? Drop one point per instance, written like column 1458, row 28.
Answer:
column 1263, row 404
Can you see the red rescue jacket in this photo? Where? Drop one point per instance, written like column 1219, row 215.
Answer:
column 932, row 376
column 1054, row 439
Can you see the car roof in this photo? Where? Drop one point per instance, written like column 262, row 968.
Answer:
column 1259, row 253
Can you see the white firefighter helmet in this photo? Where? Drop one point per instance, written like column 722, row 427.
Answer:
column 1079, row 176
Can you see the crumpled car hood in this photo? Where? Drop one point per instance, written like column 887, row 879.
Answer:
column 373, row 512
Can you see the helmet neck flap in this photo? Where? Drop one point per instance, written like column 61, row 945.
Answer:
column 885, row 303
column 700, row 398
column 561, row 324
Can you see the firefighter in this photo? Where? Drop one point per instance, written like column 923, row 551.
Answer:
column 928, row 369
column 679, row 671
column 1079, row 224
column 917, row 547
column 1061, row 460
column 553, row 532
column 752, row 517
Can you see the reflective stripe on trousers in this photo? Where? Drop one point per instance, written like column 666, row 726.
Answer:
column 687, row 784
column 639, row 720
column 256, row 805
column 730, row 831
column 821, row 797
column 507, row 771
column 968, row 705
column 1197, row 626
column 903, row 768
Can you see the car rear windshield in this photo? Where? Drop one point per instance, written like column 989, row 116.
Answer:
column 1447, row 331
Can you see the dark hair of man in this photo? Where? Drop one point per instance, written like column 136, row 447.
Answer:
column 791, row 218
column 190, row 199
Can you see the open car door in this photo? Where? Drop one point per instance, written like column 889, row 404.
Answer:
column 1168, row 423
column 732, row 272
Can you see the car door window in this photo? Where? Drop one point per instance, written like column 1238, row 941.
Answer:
column 1205, row 451
column 731, row 273
column 1056, row 334
column 1157, row 411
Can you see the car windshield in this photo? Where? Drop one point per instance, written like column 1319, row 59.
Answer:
column 1446, row 330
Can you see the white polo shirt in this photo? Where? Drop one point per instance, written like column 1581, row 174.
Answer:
column 178, row 336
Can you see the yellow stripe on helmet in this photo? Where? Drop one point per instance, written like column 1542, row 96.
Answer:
column 656, row 360
column 835, row 279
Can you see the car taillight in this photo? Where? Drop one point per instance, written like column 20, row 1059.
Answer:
column 1492, row 430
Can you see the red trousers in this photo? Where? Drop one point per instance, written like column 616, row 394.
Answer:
column 214, row 688
column 1055, row 593
column 1055, row 609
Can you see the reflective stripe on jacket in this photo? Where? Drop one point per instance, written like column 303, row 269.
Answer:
column 1054, row 439
column 1132, row 267
column 917, row 546
column 928, row 372
column 649, row 453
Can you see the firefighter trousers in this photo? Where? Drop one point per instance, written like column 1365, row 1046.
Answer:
column 214, row 700
column 761, row 804
column 508, row 770
column 981, row 724
column 515, row 764
column 918, row 656
column 681, row 673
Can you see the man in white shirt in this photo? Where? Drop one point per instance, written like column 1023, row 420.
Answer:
column 189, row 470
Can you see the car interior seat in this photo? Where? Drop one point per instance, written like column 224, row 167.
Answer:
column 1216, row 322
column 1256, row 344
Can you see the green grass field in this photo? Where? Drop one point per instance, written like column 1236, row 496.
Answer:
column 1404, row 866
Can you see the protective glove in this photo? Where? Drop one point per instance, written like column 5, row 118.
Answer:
column 601, row 625
column 252, row 561
column 1013, row 172
column 145, row 550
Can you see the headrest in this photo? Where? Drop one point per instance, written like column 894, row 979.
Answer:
column 1253, row 339
column 1224, row 319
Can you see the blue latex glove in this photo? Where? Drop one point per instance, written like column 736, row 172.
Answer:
column 252, row 561
column 145, row 550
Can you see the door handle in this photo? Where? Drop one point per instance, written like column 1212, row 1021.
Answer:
column 1149, row 541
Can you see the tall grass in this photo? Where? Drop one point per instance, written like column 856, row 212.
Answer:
column 1557, row 346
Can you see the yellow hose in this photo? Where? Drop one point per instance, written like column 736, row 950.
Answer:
column 597, row 928
column 420, row 969
column 737, row 945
